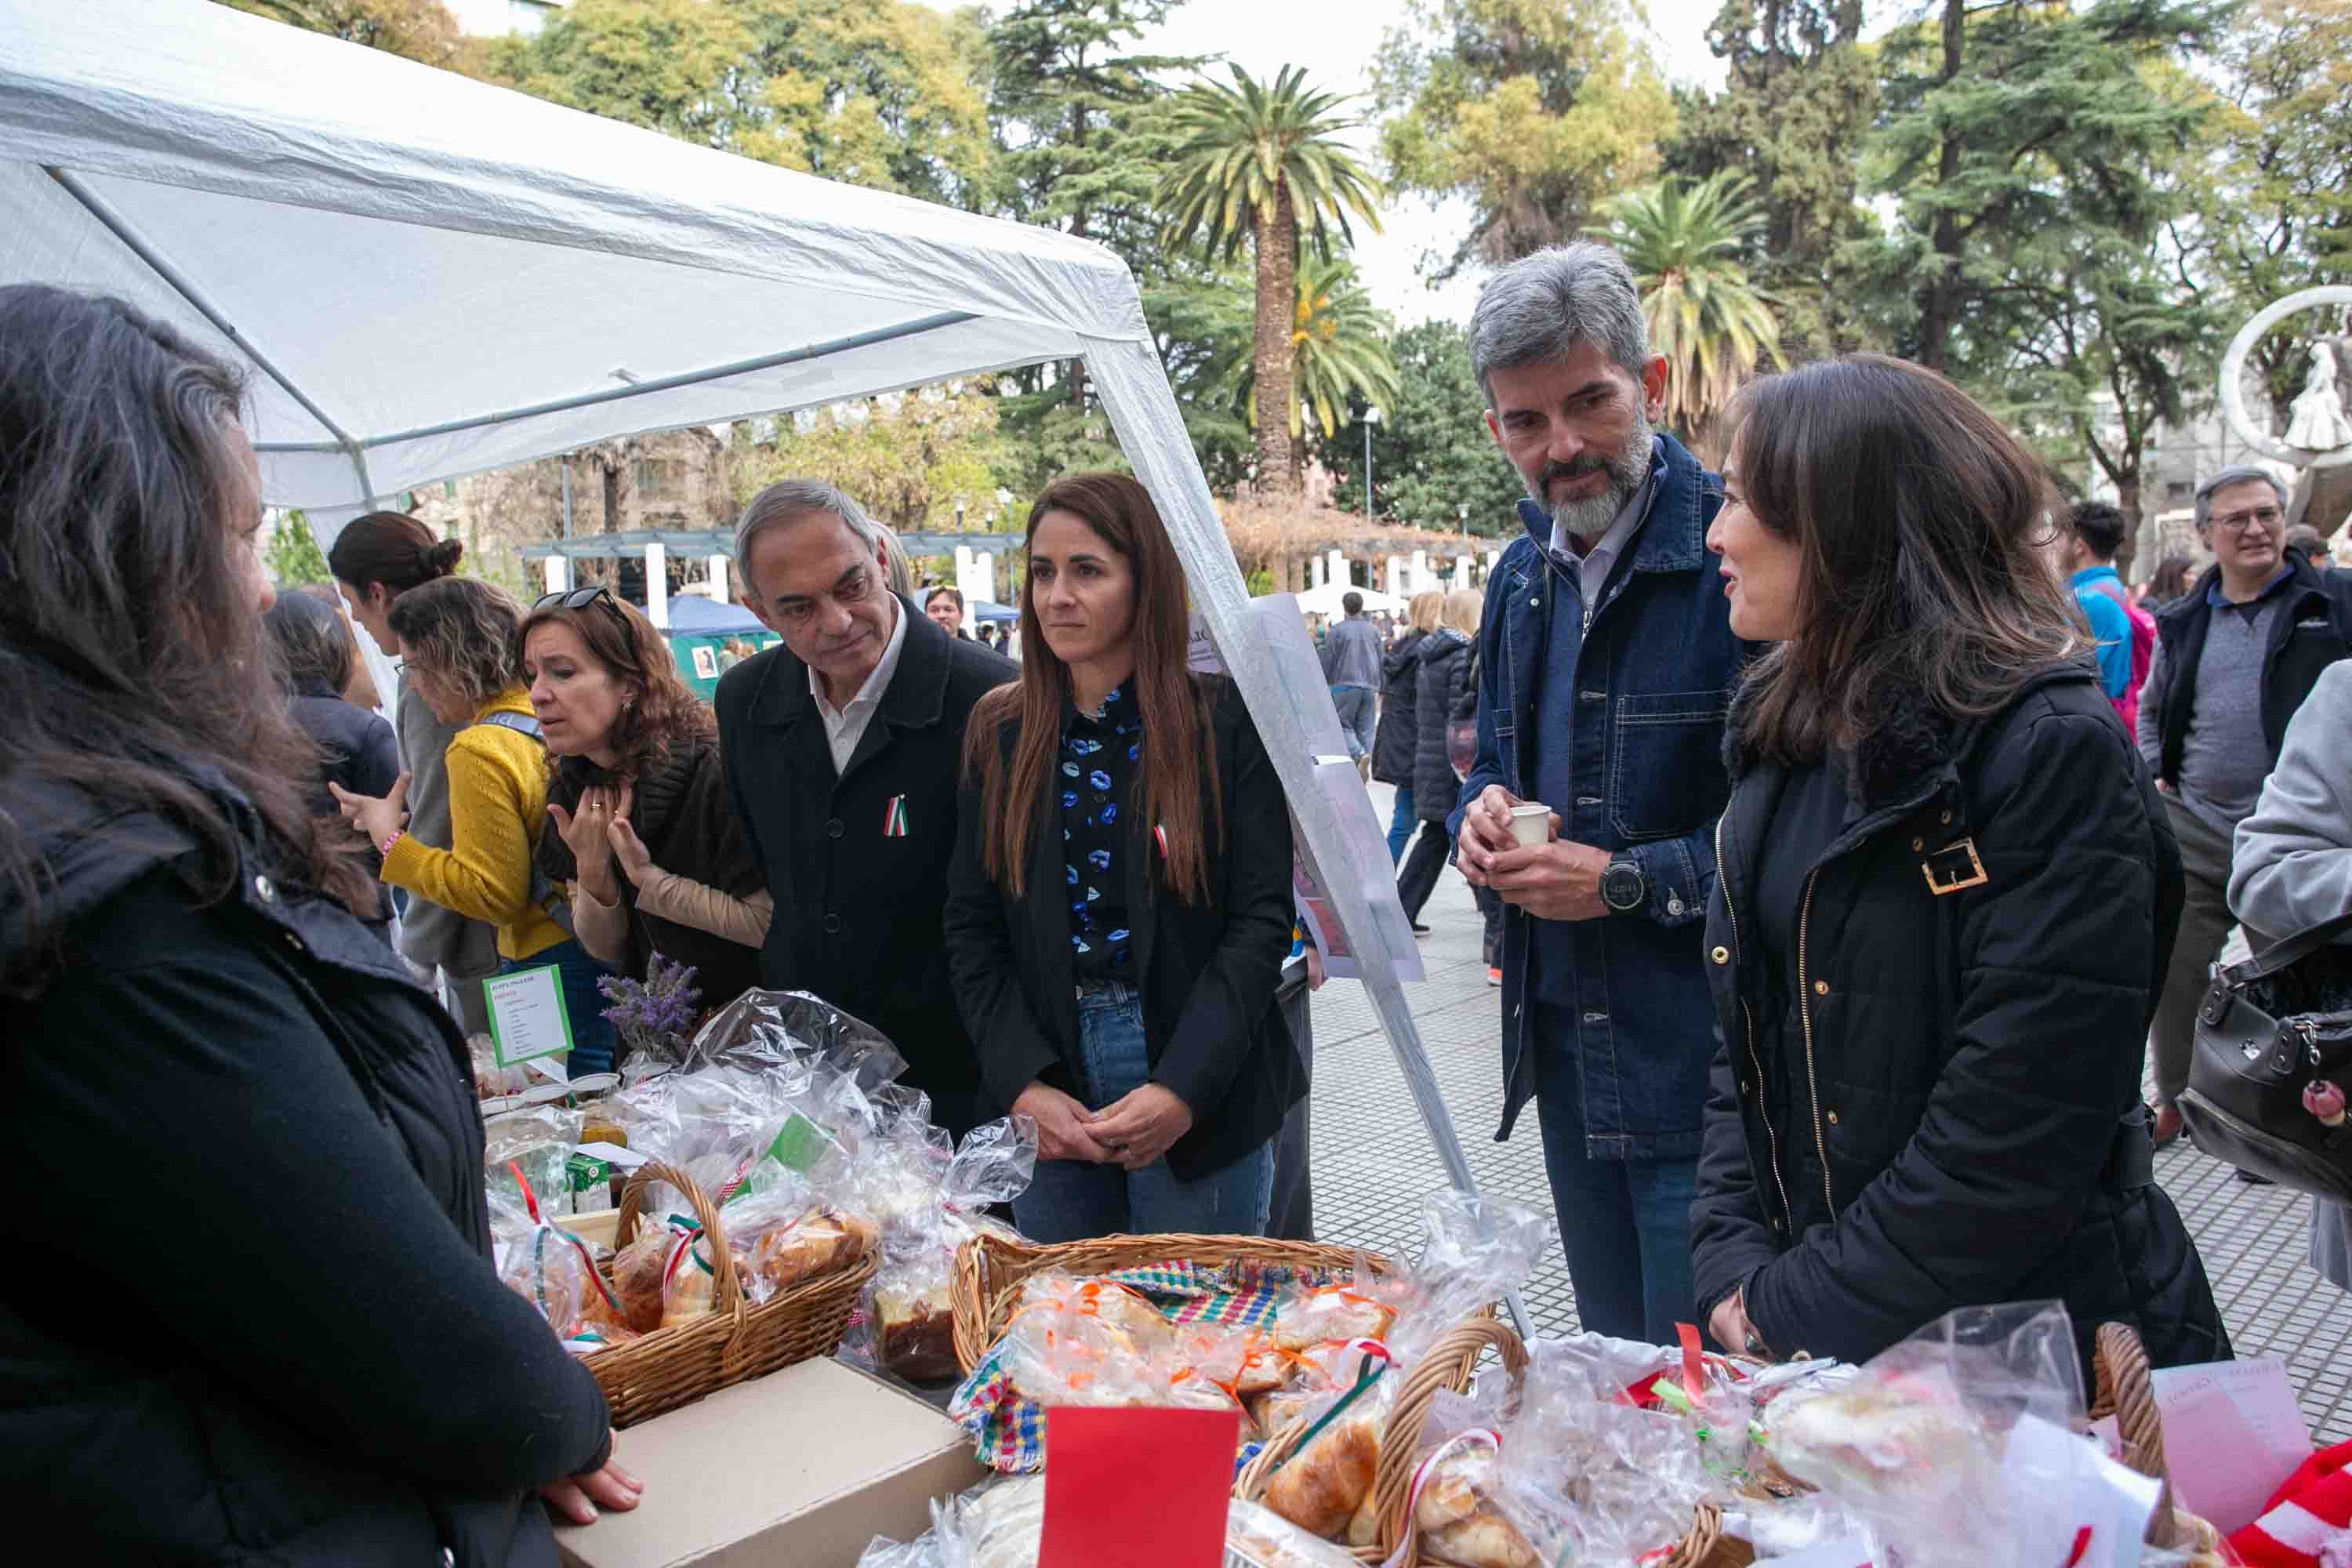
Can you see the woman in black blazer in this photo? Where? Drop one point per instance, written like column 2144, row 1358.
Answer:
column 1120, row 907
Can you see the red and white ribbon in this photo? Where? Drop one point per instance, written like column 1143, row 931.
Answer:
column 1403, row 1554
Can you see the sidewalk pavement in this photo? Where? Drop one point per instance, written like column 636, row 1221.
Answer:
column 1373, row 1163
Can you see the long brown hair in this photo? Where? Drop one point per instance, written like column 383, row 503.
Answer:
column 1921, row 523
column 666, row 717
column 132, row 656
column 1178, row 741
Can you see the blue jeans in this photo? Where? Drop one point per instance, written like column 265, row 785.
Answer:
column 1401, row 822
column 1625, row 1224
column 1073, row 1200
column 592, row 1035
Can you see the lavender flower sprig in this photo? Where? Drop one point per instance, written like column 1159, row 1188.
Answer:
column 657, row 1014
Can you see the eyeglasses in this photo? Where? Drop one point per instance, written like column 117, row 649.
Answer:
column 580, row 599
column 2262, row 519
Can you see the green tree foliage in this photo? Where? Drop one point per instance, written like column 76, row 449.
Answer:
column 293, row 557
column 1798, row 98
column 1683, row 242
column 1537, row 110
column 906, row 457
column 1432, row 456
column 872, row 92
column 416, row 29
column 1263, row 163
column 2001, row 124
column 2279, row 197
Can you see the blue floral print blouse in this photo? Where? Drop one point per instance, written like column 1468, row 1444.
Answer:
column 1099, row 757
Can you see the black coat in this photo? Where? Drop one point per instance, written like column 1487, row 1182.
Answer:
column 1444, row 681
column 1399, row 731
column 262, row 1327
column 2312, row 630
column 1951, row 1116
column 1210, row 1023
column 857, row 906
column 686, row 817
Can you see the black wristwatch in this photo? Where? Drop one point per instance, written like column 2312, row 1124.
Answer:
column 1622, row 887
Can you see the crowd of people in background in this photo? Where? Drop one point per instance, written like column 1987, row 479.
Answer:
column 1845, row 834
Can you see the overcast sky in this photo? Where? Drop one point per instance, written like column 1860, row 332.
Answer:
column 1336, row 42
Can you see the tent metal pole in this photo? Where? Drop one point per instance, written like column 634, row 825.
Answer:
column 184, row 286
column 664, row 383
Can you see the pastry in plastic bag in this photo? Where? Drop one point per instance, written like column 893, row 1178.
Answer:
column 1322, row 1486
column 637, row 1272
column 1115, row 1305
column 1261, row 1538
column 822, row 1242
column 1329, row 1313
column 1460, row 1518
column 689, row 1285
column 916, row 1332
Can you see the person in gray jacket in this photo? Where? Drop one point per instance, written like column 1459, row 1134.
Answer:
column 375, row 560
column 2292, row 869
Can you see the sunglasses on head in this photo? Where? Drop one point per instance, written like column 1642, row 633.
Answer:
column 580, row 599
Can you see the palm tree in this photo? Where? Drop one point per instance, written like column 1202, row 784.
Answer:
column 1684, row 243
column 1262, row 162
column 1340, row 354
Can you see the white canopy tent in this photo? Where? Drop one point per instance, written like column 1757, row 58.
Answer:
column 1328, row 599
column 428, row 277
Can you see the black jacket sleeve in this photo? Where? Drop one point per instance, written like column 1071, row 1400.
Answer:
column 2050, row 1010
column 1014, row 1049
column 1216, row 1031
column 375, row 766
column 1730, row 1237
column 303, row 1257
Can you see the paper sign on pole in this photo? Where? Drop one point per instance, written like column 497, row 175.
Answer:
column 527, row 1021
column 1104, row 1506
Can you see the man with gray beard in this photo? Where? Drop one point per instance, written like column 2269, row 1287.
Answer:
column 1606, row 664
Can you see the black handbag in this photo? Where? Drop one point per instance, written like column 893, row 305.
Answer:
column 2269, row 1027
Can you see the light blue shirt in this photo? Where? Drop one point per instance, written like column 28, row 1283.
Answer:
column 2109, row 625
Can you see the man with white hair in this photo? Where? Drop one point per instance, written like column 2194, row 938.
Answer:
column 1606, row 663
column 844, row 747
column 2235, row 657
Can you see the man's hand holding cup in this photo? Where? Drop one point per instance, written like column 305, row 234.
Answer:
column 1513, row 847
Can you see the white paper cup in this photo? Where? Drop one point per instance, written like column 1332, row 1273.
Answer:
column 1531, row 824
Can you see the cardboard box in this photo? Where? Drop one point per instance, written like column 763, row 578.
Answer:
column 798, row 1469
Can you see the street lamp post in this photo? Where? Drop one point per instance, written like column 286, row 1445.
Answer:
column 1371, row 417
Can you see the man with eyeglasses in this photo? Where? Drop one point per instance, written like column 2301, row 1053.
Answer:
column 2235, row 657
column 843, row 749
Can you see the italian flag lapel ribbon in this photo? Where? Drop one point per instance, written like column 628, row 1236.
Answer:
column 894, row 817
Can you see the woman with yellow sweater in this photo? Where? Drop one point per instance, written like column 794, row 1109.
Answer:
column 458, row 636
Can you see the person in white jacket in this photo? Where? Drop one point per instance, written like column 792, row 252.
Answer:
column 2292, row 868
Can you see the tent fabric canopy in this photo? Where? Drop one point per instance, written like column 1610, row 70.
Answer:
column 425, row 275
column 400, row 250
column 1324, row 600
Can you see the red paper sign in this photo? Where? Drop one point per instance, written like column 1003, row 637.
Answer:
column 1143, row 1487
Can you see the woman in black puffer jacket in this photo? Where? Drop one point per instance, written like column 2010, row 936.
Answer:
column 1946, row 894
column 266, row 1328
column 1400, row 732
column 1442, row 682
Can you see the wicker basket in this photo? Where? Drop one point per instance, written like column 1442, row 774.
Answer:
column 674, row 1367
column 1448, row 1364
column 989, row 1269
column 2121, row 1387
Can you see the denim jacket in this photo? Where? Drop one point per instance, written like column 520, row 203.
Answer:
column 1653, row 683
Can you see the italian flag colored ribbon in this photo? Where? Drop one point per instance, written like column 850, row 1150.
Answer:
column 894, row 817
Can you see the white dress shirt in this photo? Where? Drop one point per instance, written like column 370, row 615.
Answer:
column 844, row 726
column 1589, row 573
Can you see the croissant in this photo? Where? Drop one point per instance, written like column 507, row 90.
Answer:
column 1460, row 1523
column 1321, row 1490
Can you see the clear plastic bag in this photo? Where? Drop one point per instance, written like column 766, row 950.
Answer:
column 1943, row 1443
column 1477, row 1249
column 761, row 1028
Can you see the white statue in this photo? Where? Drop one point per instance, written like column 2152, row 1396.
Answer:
column 2316, row 421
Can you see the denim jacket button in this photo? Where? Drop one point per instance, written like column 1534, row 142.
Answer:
column 1674, row 906
column 1721, row 955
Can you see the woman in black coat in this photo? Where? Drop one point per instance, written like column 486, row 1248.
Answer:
column 315, row 660
column 1399, row 731
column 1945, row 892
column 1443, row 686
column 266, row 1327
column 1120, row 909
